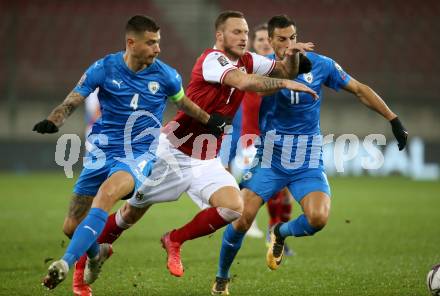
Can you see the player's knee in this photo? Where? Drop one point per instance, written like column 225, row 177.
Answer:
column 129, row 214
column 228, row 214
column 318, row 218
column 227, row 197
column 238, row 206
column 246, row 221
column 234, row 205
column 107, row 192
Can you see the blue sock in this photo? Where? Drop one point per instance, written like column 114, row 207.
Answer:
column 93, row 251
column 231, row 244
column 298, row 227
column 86, row 235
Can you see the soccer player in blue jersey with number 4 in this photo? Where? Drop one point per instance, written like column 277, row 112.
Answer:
column 133, row 88
column 291, row 120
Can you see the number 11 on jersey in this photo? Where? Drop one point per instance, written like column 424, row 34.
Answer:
column 294, row 97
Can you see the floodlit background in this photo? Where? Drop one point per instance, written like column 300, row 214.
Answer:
column 390, row 45
column 383, row 234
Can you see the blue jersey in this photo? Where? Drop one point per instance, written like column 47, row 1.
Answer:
column 130, row 102
column 295, row 116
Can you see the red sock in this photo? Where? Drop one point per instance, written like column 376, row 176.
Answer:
column 204, row 223
column 285, row 212
column 81, row 263
column 273, row 207
column 111, row 231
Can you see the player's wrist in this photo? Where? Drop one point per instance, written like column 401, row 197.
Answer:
column 284, row 83
column 216, row 123
column 391, row 116
column 400, row 132
column 396, row 123
column 45, row 126
column 56, row 123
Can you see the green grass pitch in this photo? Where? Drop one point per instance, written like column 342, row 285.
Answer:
column 382, row 238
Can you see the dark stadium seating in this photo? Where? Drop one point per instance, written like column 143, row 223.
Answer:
column 361, row 37
column 53, row 42
column 47, row 44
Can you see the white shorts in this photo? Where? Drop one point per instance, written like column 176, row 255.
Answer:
column 174, row 173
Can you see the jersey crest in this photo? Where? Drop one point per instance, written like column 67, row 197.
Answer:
column 308, row 77
column 153, row 87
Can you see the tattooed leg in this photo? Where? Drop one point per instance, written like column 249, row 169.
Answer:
column 78, row 209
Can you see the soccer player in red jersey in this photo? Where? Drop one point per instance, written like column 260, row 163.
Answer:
column 187, row 150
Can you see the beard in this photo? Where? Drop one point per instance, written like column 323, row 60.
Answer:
column 234, row 51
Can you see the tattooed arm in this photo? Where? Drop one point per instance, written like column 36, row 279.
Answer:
column 66, row 108
column 59, row 114
column 192, row 109
column 256, row 83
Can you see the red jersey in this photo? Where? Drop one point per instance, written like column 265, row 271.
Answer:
column 207, row 90
column 250, row 119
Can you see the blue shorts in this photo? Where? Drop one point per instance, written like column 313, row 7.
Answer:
column 91, row 179
column 228, row 150
column 265, row 182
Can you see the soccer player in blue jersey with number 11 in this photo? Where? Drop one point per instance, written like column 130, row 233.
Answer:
column 133, row 88
column 294, row 117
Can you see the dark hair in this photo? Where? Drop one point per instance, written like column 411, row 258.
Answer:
column 279, row 21
column 225, row 15
column 140, row 24
column 260, row 27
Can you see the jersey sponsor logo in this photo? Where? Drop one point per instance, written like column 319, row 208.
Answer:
column 308, row 77
column 153, row 86
column 118, row 83
column 82, row 79
column 341, row 72
column 222, row 60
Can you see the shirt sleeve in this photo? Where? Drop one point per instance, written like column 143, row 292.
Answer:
column 215, row 66
column 174, row 89
column 337, row 77
column 93, row 78
column 262, row 65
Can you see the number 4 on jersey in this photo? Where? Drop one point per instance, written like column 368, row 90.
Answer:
column 134, row 101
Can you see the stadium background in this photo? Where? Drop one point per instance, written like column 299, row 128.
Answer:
column 383, row 233
column 46, row 46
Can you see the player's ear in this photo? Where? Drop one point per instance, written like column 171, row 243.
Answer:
column 219, row 36
column 129, row 42
column 129, row 39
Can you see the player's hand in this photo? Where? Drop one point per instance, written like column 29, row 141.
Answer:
column 216, row 124
column 296, row 86
column 300, row 47
column 45, row 127
column 305, row 65
column 400, row 133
